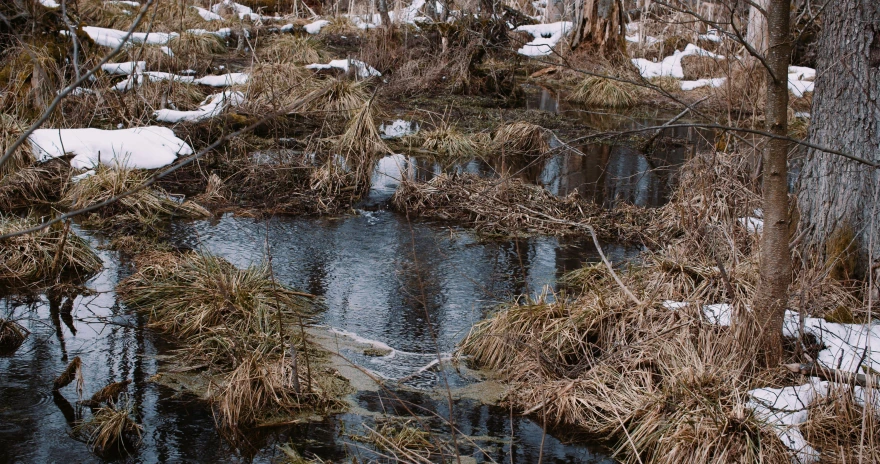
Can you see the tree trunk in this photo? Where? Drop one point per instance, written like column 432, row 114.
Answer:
column 756, row 32
column 599, row 24
column 382, row 6
column 775, row 264
column 837, row 196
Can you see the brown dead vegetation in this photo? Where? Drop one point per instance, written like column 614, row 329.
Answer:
column 238, row 327
column 666, row 383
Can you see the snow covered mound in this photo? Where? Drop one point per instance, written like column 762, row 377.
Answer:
column 148, row 147
column 546, row 36
column 212, row 106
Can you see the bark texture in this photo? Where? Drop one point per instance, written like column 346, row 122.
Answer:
column 757, row 34
column 775, row 255
column 837, row 196
column 599, row 23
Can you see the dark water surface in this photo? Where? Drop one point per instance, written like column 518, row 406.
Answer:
column 414, row 288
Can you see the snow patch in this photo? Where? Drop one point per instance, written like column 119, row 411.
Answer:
column 545, row 36
column 125, row 68
column 363, row 69
column 315, row 27
column 212, row 106
column 671, row 65
column 223, row 80
column 691, row 85
column 148, row 147
column 114, row 38
column 398, row 128
column 208, row 15
column 50, row 3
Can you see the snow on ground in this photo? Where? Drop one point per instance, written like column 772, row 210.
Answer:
column 212, row 106
column 671, row 65
column 398, row 128
column 800, row 80
column 363, row 69
column 124, row 2
column 113, row 37
column 150, row 76
column 846, row 347
column 315, row 27
column 712, row 35
column 752, row 224
column 546, row 36
column 691, row 85
column 223, row 80
column 50, row 3
column 222, row 33
column 649, row 40
column 208, row 15
column 125, row 68
column 242, row 11
column 141, row 147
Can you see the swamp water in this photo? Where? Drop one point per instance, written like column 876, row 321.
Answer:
column 399, row 295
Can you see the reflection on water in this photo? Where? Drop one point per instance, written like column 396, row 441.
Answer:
column 383, row 279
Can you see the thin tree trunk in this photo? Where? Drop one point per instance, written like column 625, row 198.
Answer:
column 775, row 266
column 836, row 198
column 382, row 6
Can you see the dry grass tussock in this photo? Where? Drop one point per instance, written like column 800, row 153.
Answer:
column 334, row 98
column 146, row 209
column 447, row 144
column 289, row 48
column 238, row 325
column 510, row 206
column 835, row 426
column 112, row 431
column 275, row 87
column 12, row 335
column 43, row 256
column 608, row 93
column 10, row 129
column 667, row 384
column 33, row 186
column 163, row 16
column 195, row 51
column 405, row 440
column 520, row 138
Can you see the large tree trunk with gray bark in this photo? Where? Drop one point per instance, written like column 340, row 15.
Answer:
column 838, row 197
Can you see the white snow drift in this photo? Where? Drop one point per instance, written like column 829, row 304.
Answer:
column 142, row 147
column 212, row 106
column 546, row 36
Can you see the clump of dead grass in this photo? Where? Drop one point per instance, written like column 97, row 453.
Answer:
column 335, row 98
column 447, row 143
column 612, row 358
column 33, row 186
column 836, row 424
column 606, row 93
column 289, row 48
column 511, row 207
column 195, row 51
column 278, row 87
column 12, row 335
column 112, row 431
column 405, row 440
column 146, row 209
column 44, row 255
column 520, row 138
column 10, row 129
column 236, row 324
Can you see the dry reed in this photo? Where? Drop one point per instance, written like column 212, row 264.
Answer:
column 607, row 93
